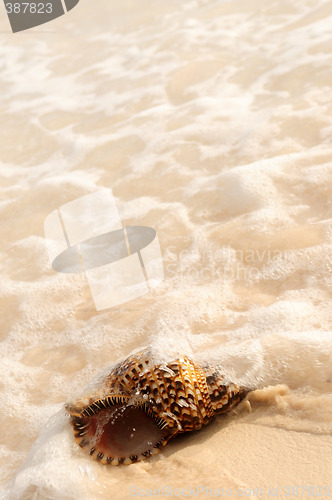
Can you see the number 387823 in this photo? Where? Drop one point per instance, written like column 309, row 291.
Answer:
column 28, row 8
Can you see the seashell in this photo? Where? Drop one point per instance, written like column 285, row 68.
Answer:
column 141, row 405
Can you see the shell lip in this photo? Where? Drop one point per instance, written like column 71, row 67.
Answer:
column 85, row 408
column 94, row 407
column 100, row 417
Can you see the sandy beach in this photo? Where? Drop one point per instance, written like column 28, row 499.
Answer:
column 210, row 121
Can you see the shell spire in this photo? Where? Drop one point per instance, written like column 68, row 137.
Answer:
column 141, row 405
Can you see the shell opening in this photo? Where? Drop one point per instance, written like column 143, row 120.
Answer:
column 114, row 431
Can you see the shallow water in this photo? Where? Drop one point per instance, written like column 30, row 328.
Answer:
column 211, row 122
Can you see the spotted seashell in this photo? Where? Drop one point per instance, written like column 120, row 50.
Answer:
column 141, row 405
